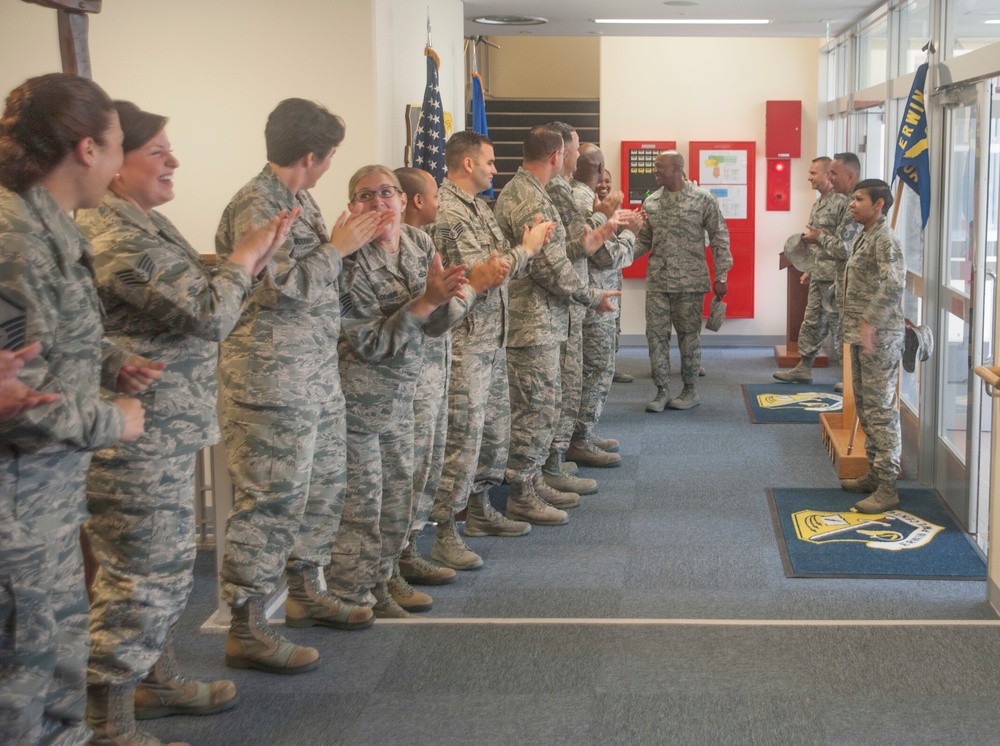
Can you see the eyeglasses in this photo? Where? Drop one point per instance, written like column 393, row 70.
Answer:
column 386, row 192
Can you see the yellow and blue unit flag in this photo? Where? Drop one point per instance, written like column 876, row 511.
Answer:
column 479, row 115
column 428, row 148
column 912, row 163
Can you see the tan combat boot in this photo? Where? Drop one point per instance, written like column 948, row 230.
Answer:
column 252, row 643
column 451, row 550
column 560, row 481
column 555, row 498
column 801, row 373
column 659, row 402
column 308, row 604
column 525, row 505
column 111, row 715
column 867, row 483
column 689, row 398
column 406, row 595
column 606, row 444
column 482, row 519
column 165, row 692
column 588, row 454
column 415, row 569
column 386, row 606
column 884, row 498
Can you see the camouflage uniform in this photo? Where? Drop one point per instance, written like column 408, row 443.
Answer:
column 600, row 330
column 381, row 355
column 539, row 324
column 821, row 316
column 478, row 395
column 47, row 294
column 678, row 278
column 163, row 304
column 873, row 292
column 281, row 405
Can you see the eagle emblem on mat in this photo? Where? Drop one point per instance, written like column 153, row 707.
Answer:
column 807, row 401
column 893, row 530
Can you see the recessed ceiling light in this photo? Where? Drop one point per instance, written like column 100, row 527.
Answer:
column 687, row 21
column 681, row 3
column 511, row 20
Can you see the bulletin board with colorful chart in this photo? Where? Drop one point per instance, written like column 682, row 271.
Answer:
column 727, row 170
column 637, row 159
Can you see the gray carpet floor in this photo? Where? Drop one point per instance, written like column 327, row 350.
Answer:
column 681, row 531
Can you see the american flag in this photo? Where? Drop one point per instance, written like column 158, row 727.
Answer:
column 428, row 146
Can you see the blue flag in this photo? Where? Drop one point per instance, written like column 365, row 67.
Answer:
column 912, row 163
column 479, row 115
column 428, row 146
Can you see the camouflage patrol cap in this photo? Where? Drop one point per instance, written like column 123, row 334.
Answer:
column 918, row 346
column 716, row 314
column 798, row 253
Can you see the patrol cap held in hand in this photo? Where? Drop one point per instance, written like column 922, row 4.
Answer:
column 798, row 253
column 716, row 314
column 918, row 346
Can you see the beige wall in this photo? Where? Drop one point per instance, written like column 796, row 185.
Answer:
column 544, row 67
column 217, row 68
column 687, row 89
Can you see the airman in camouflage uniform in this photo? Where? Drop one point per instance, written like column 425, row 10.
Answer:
column 281, row 405
column 47, row 295
column 385, row 297
column 50, row 314
column 466, row 232
column 679, row 215
column 599, row 330
column 162, row 303
column 830, row 226
column 539, row 324
column 874, row 327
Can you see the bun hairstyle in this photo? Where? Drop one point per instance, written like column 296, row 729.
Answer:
column 877, row 190
column 43, row 120
column 138, row 126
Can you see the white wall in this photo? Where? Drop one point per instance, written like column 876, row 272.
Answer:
column 687, row 89
column 218, row 68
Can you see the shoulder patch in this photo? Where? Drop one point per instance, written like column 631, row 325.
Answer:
column 13, row 324
column 139, row 274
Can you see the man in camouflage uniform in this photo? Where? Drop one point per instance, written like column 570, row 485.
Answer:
column 539, row 324
column 281, row 405
column 599, row 330
column 47, row 295
column 830, row 232
column 874, row 327
column 576, row 224
column 466, row 232
column 430, row 416
column 679, row 214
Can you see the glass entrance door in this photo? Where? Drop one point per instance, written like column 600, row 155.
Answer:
column 965, row 292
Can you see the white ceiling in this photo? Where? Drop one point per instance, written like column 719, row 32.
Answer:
column 799, row 18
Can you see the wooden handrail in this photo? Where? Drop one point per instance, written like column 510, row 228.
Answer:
column 991, row 377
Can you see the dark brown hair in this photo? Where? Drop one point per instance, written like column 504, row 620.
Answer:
column 541, row 142
column 139, row 126
column 462, row 145
column 298, row 127
column 43, row 120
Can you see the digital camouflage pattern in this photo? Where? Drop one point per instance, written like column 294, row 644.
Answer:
column 47, row 294
column 163, row 303
column 873, row 292
column 674, row 237
column 381, row 355
column 430, row 428
column 821, row 317
column 540, row 299
column 478, row 430
column 599, row 329
column 281, row 405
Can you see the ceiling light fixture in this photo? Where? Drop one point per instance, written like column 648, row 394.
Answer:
column 687, row 21
column 511, row 20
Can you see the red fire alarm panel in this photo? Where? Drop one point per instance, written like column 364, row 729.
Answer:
column 779, row 184
column 783, row 131
column 637, row 159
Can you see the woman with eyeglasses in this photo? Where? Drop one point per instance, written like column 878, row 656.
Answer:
column 163, row 302
column 395, row 295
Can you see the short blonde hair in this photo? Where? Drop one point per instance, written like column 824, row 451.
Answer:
column 368, row 171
